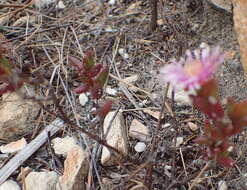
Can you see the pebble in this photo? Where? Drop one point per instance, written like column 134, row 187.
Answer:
column 192, row 126
column 14, row 146
column 222, row 185
column 9, row 185
column 83, row 99
column 76, row 168
column 41, row 180
column 179, row 141
column 140, row 147
column 111, row 91
column 139, row 131
column 60, row 5
column 166, row 125
column 62, row 146
column 116, row 137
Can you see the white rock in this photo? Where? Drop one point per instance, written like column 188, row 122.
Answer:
column 60, row 5
column 166, row 125
column 140, row 147
column 179, row 141
column 9, row 185
column 15, row 116
column 83, row 99
column 123, row 53
column 41, row 180
column 222, row 185
column 76, row 168
column 168, row 170
column 116, row 137
column 192, row 126
column 168, row 167
column 112, row 2
column 181, row 97
column 13, row 146
column 109, row 29
column 63, row 145
column 126, row 56
column 111, row 91
column 139, row 131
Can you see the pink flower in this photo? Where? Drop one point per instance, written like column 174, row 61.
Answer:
column 197, row 68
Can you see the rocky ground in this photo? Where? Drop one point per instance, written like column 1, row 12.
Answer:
column 44, row 35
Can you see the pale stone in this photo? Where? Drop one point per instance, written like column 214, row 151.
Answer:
column 240, row 24
column 83, row 99
column 15, row 114
column 160, row 22
column 13, row 146
column 116, row 137
column 192, row 126
column 168, row 170
column 76, row 168
column 123, row 53
column 63, row 145
column 181, row 97
column 112, row 2
column 60, row 5
column 126, row 56
column 41, row 180
column 10, row 185
column 166, row 125
column 222, row 185
column 111, row 91
column 110, row 29
column 140, row 147
column 139, row 131
column 179, row 141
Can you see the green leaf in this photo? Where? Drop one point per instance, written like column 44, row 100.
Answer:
column 101, row 78
column 88, row 60
column 5, row 66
